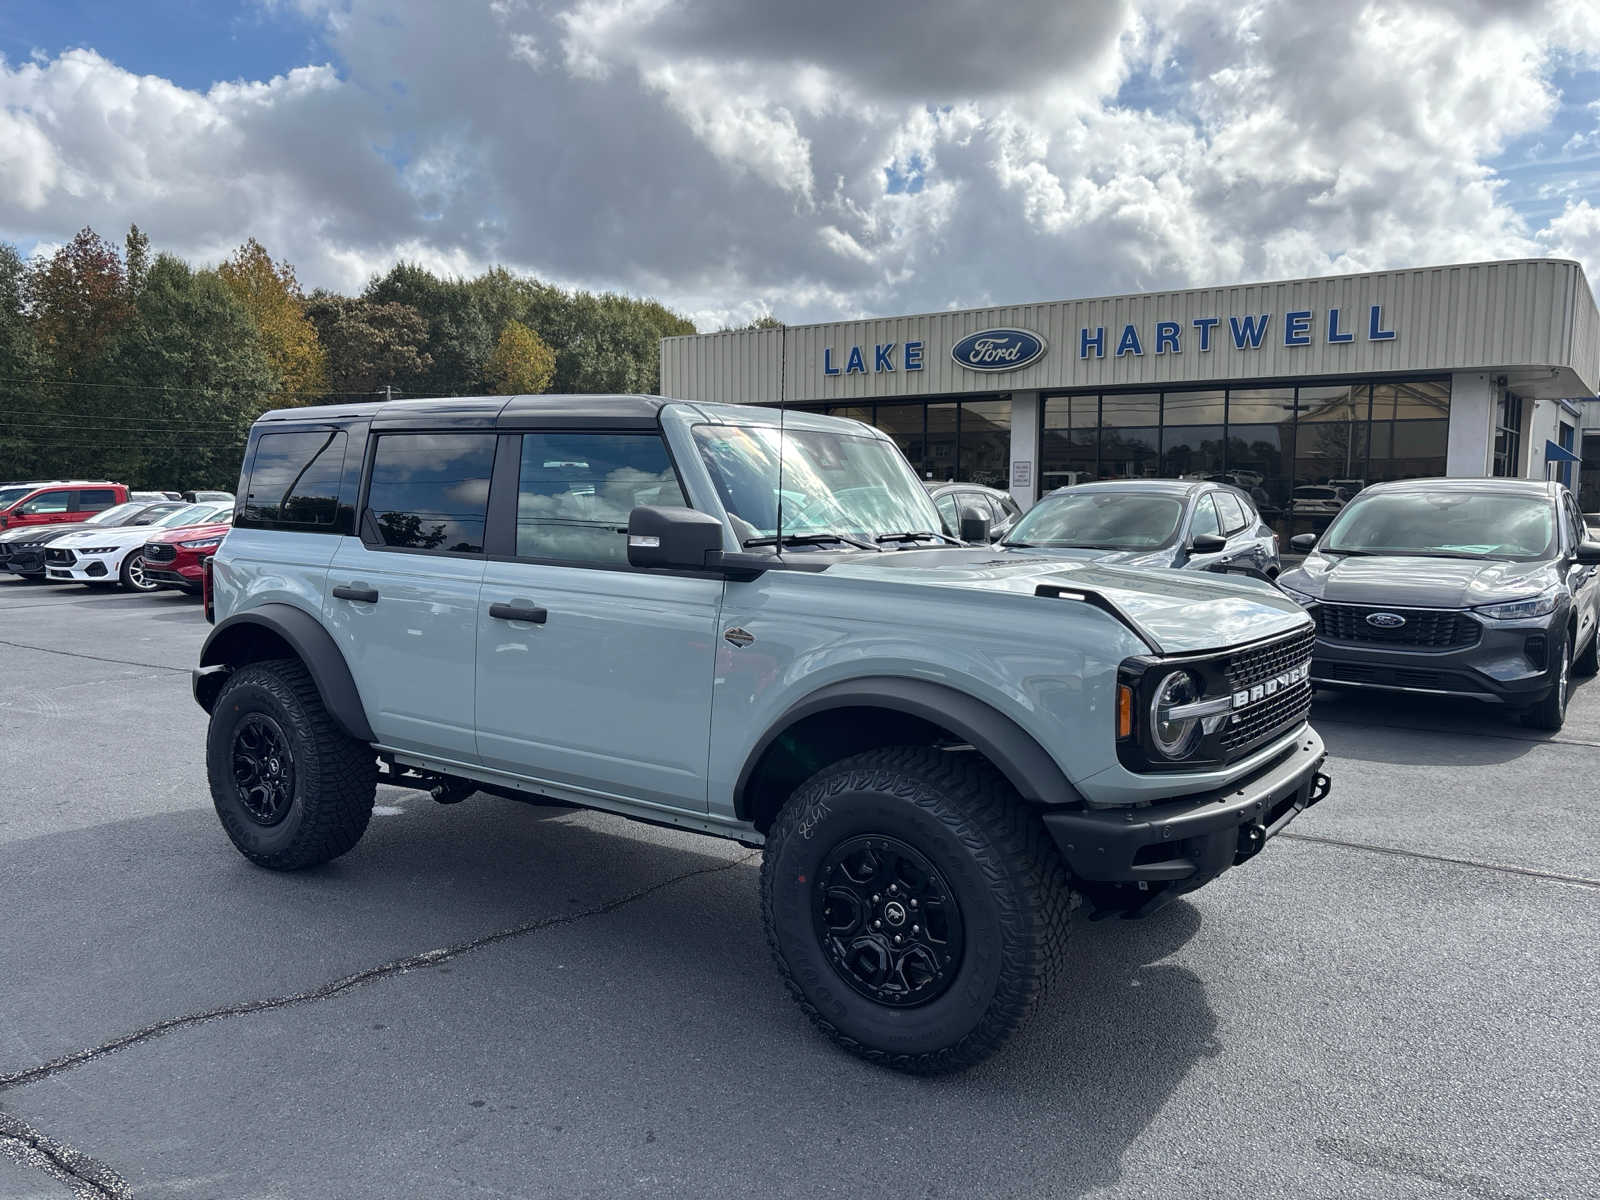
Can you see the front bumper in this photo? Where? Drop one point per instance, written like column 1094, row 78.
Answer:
column 24, row 562
column 71, row 567
column 1179, row 845
column 1514, row 663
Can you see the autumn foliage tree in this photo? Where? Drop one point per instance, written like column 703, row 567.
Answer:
column 521, row 363
column 78, row 301
column 271, row 295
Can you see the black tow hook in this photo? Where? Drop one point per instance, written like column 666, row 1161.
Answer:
column 1320, row 787
column 1251, row 839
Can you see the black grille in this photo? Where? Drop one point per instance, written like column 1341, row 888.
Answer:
column 60, row 558
column 160, row 552
column 1424, row 628
column 1258, row 663
column 1257, row 724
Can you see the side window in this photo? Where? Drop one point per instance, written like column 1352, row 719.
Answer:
column 1232, row 513
column 946, row 504
column 50, row 502
column 430, row 491
column 95, row 499
column 575, row 491
column 294, row 479
column 1577, row 530
column 1205, row 518
column 1011, row 508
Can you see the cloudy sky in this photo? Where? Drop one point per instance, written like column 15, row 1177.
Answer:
column 838, row 157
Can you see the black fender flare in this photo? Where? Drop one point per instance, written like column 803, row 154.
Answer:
column 1014, row 752
column 311, row 643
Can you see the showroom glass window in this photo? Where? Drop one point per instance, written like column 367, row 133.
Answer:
column 1261, row 447
column 1410, row 431
column 430, row 491
column 1508, row 435
column 1130, row 435
column 945, row 441
column 1069, row 444
column 1192, row 433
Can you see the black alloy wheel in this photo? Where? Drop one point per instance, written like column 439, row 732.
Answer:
column 888, row 922
column 263, row 769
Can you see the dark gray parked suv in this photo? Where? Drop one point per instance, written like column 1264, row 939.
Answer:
column 1485, row 588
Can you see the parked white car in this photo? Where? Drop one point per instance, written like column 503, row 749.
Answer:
column 103, row 557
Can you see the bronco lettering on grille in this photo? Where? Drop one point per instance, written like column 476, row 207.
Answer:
column 1271, row 687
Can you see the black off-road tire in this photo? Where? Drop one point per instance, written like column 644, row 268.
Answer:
column 1588, row 663
column 1012, row 887
column 1550, row 714
column 335, row 777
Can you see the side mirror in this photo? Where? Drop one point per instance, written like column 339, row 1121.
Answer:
column 974, row 525
column 1208, row 543
column 1304, row 542
column 668, row 536
column 1587, row 554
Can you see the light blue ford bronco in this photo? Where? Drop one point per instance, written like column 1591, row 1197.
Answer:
column 717, row 619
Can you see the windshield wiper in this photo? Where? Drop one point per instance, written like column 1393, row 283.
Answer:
column 810, row 539
column 915, row 534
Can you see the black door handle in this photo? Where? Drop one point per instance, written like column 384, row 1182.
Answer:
column 518, row 612
column 365, row 595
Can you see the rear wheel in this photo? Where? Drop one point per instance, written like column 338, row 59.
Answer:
column 1551, row 712
column 291, row 788
column 916, row 907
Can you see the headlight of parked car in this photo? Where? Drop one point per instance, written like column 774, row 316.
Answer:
column 1541, row 605
column 97, row 549
column 202, row 544
column 1304, row 599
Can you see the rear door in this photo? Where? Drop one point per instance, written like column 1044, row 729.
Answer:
column 1244, row 547
column 402, row 595
column 592, row 674
column 1584, row 582
column 88, row 501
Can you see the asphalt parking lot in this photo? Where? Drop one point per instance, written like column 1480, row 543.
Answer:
column 495, row 1000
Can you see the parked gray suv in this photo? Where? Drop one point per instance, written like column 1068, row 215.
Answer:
column 750, row 625
column 1483, row 588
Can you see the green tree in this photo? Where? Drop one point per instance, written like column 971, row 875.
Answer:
column 458, row 340
column 20, row 364
column 183, row 381
column 271, row 295
column 78, row 300
column 369, row 345
column 521, row 362
column 136, row 256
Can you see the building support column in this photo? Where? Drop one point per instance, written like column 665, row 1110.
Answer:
column 1025, row 448
column 1470, row 448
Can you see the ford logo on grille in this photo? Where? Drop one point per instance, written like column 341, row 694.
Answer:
column 1386, row 620
column 998, row 349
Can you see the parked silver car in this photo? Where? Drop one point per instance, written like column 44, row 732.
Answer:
column 1484, row 588
column 1151, row 523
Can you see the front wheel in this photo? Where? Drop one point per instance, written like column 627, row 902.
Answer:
column 917, row 909
column 133, row 578
column 291, row 788
column 1551, row 712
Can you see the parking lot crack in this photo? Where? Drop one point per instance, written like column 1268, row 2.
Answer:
column 399, row 966
column 1475, row 864
column 88, row 1179
column 121, row 662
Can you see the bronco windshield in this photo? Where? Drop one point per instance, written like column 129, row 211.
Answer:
column 833, row 483
column 1445, row 524
column 1100, row 521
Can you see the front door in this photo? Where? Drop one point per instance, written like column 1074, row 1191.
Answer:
column 402, row 598
column 592, row 674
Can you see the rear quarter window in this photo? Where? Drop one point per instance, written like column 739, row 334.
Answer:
column 294, row 481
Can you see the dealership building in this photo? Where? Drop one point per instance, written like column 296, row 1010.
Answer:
column 1336, row 382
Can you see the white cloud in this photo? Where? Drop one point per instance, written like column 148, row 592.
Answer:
column 836, row 158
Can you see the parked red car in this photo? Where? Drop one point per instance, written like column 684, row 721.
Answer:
column 175, row 557
column 61, row 500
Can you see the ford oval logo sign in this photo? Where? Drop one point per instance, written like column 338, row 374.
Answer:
column 998, row 350
column 1386, row 620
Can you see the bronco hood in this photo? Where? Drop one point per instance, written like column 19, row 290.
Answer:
column 1176, row 612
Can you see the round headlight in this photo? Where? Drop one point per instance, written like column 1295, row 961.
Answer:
column 1175, row 737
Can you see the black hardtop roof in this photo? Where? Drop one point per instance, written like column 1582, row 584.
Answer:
column 485, row 412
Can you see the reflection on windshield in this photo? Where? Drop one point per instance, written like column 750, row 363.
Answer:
column 832, row 483
column 1100, row 520
column 1451, row 524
